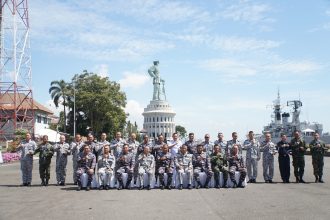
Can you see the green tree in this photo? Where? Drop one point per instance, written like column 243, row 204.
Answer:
column 181, row 131
column 99, row 105
column 60, row 90
column 131, row 128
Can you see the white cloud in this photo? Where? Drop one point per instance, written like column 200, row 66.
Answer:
column 225, row 43
column 230, row 67
column 133, row 80
column 135, row 110
column 102, row 70
column 155, row 10
column 327, row 12
column 239, row 68
column 243, row 44
column 89, row 33
column 247, row 11
column 294, row 66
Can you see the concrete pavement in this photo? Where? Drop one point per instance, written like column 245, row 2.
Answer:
column 256, row 201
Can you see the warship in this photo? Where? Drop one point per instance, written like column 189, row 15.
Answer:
column 287, row 122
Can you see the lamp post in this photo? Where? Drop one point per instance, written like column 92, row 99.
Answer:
column 74, row 106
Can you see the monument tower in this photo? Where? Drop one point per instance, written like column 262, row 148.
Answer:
column 158, row 116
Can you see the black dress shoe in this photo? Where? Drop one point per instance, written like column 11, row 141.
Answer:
column 180, row 187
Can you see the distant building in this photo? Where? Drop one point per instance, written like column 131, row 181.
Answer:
column 40, row 117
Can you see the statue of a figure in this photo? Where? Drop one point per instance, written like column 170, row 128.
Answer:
column 159, row 83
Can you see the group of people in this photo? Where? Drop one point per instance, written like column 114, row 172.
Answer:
column 185, row 160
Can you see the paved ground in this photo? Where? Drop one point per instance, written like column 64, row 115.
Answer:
column 257, row 201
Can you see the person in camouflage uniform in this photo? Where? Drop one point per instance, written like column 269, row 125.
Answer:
column 146, row 163
column 201, row 163
column 219, row 164
column 62, row 150
column 158, row 145
column 252, row 147
column 184, row 164
column 133, row 144
column 207, row 145
column 76, row 147
column 26, row 149
column 139, row 150
column 124, row 164
column 117, row 145
column 232, row 143
column 99, row 147
column 269, row 150
column 298, row 147
column 165, row 164
column 46, row 152
column 86, row 164
column 318, row 149
column 191, row 144
column 236, row 163
column 221, row 142
column 106, row 165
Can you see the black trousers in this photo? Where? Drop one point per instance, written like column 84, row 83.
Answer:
column 284, row 164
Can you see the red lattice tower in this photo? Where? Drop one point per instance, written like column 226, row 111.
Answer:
column 16, row 102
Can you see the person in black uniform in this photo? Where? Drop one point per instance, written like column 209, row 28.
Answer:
column 284, row 151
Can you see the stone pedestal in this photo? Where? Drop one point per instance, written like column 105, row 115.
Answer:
column 159, row 119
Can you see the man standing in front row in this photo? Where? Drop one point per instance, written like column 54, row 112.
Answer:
column 46, row 152
column 318, row 149
column 252, row 148
column 76, row 147
column 26, row 149
column 269, row 150
column 62, row 150
column 284, row 152
column 298, row 147
column 86, row 164
column 184, row 165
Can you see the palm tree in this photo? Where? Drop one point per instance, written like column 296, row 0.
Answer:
column 57, row 90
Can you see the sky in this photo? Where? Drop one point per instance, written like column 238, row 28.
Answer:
column 223, row 60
